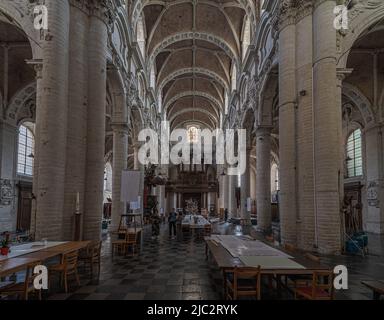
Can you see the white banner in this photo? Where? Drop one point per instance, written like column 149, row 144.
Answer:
column 130, row 186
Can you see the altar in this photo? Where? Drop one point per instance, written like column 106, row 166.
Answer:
column 195, row 221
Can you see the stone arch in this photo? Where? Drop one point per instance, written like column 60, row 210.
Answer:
column 181, row 112
column 362, row 17
column 19, row 15
column 118, row 94
column 268, row 95
column 138, row 7
column 195, row 70
column 22, row 104
column 190, row 35
column 244, row 88
column 361, row 102
column 193, row 93
column 181, row 124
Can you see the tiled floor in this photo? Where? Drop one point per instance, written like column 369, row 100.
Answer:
column 173, row 269
column 166, row 269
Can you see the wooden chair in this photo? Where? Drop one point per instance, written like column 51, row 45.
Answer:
column 23, row 289
column 319, row 288
column 289, row 247
column 67, row 267
column 242, row 282
column 91, row 257
column 122, row 246
column 207, row 230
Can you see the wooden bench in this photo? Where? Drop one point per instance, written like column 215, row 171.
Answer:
column 377, row 287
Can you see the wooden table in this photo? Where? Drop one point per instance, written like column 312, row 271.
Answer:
column 11, row 266
column 15, row 264
column 68, row 247
column 377, row 287
column 225, row 261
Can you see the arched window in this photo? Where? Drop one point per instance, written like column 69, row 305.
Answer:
column 354, row 159
column 275, row 183
column 226, row 103
column 26, row 148
column 234, row 77
column 246, row 36
column 153, row 77
column 261, row 7
column 193, row 134
column 140, row 33
column 107, row 182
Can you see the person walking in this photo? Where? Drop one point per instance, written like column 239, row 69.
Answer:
column 172, row 223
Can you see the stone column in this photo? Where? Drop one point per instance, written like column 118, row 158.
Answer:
column 38, row 66
column 120, row 151
column 327, row 120
column 225, row 192
column 245, row 190
column 179, row 200
column 232, row 204
column 9, row 134
column 161, row 197
column 51, row 123
column 175, row 198
column 136, row 164
column 304, row 131
column 372, row 138
column 77, row 121
column 263, row 181
column 221, row 186
column 97, row 51
column 253, row 183
column 287, row 118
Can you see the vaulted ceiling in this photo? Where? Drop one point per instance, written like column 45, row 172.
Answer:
column 194, row 45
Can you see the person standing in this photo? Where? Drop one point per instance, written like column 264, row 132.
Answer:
column 172, row 223
column 226, row 215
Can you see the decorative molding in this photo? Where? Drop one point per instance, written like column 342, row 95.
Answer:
column 192, row 35
column 193, row 93
column 194, row 70
column 6, row 192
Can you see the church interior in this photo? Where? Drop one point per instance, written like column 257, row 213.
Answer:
column 82, row 80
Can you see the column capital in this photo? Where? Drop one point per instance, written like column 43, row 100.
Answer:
column 317, row 3
column 286, row 13
column 37, row 64
column 342, row 73
column 102, row 9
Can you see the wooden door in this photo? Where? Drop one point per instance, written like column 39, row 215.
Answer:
column 24, row 209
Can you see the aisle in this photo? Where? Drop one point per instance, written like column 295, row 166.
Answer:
column 165, row 270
